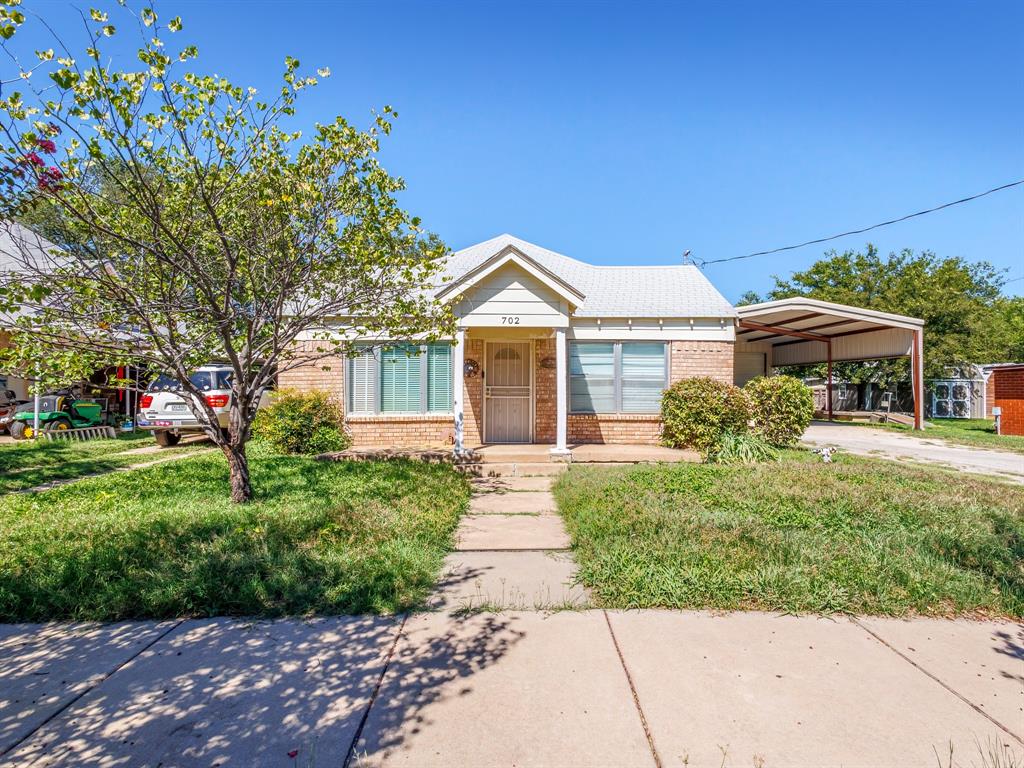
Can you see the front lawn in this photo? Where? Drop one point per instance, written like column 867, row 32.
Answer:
column 321, row 537
column 980, row 433
column 31, row 463
column 861, row 535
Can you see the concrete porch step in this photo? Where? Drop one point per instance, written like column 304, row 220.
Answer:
column 512, row 469
column 511, row 533
column 525, row 581
column 532, row 502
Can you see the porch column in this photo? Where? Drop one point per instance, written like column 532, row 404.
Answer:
column 561, row 448
column 828, row 388
column 458, row 398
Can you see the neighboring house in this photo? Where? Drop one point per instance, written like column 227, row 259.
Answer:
column 966, row 393
column 17, row 245
column 555, row 351
column 1008, row 395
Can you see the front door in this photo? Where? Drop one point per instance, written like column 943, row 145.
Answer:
column 508, row 392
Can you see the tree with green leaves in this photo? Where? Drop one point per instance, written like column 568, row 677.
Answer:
column 957, row 299
column 197, row 223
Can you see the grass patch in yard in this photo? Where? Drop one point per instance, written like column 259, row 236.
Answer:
column 321, row 537
column 859, row 535
column 31, row 463
column 980, row 433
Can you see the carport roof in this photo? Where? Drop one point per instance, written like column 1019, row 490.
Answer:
column 803, row 319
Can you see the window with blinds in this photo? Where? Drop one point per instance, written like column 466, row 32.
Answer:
column 404, row 378
column 592, row 377
column 642, row 376
column 616, row 377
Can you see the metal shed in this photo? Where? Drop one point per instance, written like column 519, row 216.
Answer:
column 802, row 331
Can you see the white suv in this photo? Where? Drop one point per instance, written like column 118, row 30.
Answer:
column 164, row 410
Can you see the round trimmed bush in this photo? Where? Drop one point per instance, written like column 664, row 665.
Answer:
column 781, row 407
column 302, row 422
column 696, row 413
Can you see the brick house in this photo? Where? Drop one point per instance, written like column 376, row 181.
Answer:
column 555, row 351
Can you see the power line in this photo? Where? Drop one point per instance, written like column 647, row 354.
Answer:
column 865, row 229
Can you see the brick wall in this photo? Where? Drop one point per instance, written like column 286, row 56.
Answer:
column 691, row 359
column 545, row 382
column 633, row 428
column 1009, row 396
column 413, row 431
column 310, row 376
column 473, row 395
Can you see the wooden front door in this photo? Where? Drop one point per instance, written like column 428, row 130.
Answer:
column 508, row 392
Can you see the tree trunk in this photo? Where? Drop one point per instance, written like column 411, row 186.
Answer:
column 238, row 464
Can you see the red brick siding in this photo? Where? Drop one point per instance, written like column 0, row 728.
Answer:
column 627, row 429
column 327, row 374
column 545, row 383
column 412, row 431
column 1009, row 396
column 473, row 395
column 691, row 359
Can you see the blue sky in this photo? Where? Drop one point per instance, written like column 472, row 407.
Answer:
column 628, row 133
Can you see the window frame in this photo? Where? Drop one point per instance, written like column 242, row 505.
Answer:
column 375, row 382
column 616, row 374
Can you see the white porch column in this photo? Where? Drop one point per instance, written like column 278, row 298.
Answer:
column 458, row 361
column 561, row 448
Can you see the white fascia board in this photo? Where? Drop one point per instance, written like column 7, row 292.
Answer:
column 653, row 329
column 512, row 255
column 753, row 311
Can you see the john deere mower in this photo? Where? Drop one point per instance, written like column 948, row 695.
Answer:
column 56, row 414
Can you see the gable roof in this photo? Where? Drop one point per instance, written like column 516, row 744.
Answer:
column 679, row 290
column 512, row 255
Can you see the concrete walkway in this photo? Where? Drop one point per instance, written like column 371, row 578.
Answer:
column 869, row 441
column 571, row 688
column 512, row 550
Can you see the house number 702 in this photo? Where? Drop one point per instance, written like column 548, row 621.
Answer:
column 507, row 320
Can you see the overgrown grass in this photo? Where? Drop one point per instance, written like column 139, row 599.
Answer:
column 860, row 535
column 31, row 463
column 165, row 541
column 976, row 432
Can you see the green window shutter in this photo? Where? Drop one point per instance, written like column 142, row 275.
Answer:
column 362, row 370
column 400, row 379
column 439, row 377
column 592, row 377
column 643, row 376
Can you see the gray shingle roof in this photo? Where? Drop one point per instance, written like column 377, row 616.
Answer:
column 635, row 291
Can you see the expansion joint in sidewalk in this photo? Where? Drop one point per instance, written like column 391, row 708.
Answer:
column 632, row 690
column 350, row 755
column 938, row 680
column 102, row 679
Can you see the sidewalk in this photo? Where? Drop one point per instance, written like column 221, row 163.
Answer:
column 585, row 688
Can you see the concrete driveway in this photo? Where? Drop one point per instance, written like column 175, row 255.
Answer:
column 870, row 441
column 574, row 688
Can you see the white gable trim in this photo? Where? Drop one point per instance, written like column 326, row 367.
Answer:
column 512, row 255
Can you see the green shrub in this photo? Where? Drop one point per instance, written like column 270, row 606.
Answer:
column 781, row 407
column 302, row 422
column 696, row 413
column 741, row 449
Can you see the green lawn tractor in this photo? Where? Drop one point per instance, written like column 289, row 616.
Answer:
column 57, row 413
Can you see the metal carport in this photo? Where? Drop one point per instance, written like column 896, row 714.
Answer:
column 802, row 331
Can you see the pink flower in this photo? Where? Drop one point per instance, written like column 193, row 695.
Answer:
column 33, row 159
column 46, row 145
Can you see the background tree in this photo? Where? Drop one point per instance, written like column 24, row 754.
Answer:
column 966, row 318
column 197, row 222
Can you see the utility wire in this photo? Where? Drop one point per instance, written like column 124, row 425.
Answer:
column 865, row 229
